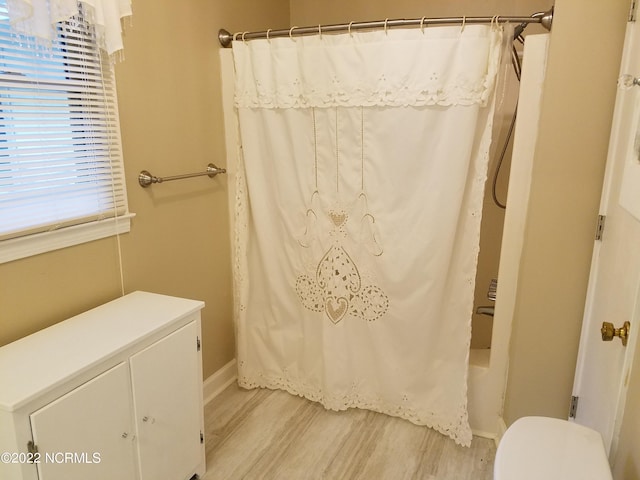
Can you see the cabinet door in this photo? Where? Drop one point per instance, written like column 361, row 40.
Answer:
column 87, row 432
column 167, row 398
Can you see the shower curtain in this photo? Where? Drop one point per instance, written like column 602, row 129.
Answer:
column 360, row 182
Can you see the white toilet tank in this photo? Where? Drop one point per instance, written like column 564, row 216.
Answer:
column 536, row 448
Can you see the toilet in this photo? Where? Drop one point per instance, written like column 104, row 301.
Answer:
column 535, row 448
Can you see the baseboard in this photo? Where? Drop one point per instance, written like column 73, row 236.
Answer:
column 220, row 380
column 483, row 434
column 502, row 427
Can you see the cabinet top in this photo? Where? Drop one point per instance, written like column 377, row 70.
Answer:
column 38, row 363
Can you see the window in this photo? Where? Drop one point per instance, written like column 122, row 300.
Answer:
column 61, row 173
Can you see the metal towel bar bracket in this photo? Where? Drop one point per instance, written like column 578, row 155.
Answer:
column 145, row 179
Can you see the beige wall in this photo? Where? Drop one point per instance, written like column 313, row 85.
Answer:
column 39, row 291
column 310, row 12
column 565, row 193
column 171, row 120
column 627, row 462
column 171, row 114
column 567, row 179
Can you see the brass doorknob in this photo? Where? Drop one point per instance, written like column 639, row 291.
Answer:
column 608, row 331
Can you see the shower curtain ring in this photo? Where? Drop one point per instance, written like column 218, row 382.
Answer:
column 243, row 34
column 386, row 21
column 268, row 31
column 422, row 24
column 320, row 31
column 291, row 32
column 464, row 23
column 350, row 34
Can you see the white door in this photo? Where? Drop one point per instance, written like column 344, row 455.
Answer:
column 87, row 433
column 613, row 295
column 167, row 397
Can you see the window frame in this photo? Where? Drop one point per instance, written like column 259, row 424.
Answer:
column 97, row 226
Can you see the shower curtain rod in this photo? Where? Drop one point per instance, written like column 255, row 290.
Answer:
column 543, row 18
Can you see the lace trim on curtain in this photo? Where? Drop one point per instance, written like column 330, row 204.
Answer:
column 456, row 427
column 240, row 273
column 368, row 75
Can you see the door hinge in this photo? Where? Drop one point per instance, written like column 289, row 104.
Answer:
column 198, row 343
column 600, row 226
column 32, row 448
column 632, row 11
column 201, row 437
column 574, row 407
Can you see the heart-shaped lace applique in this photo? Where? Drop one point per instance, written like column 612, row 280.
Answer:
column 338, row 218
column 336, row 308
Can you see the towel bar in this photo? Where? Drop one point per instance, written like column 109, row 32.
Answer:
column 145, row 179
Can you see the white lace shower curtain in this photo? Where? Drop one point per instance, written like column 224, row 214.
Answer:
column 360, row 188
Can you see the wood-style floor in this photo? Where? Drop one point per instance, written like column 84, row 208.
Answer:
column 266, row 434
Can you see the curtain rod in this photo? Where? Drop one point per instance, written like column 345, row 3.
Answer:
column 543, row 18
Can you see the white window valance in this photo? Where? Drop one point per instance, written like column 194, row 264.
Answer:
column 275, row 73
column 39, row 18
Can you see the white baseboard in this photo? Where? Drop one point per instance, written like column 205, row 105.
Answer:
column 483, row 434
column 220, row 380
column 502, row 427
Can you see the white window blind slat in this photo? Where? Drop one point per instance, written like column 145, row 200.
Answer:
column 60, row 153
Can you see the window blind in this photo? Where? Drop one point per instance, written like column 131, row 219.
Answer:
column 60, row 149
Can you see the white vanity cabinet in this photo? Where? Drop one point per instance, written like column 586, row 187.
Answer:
column 164, row 383
column 113, row 393
column 84, row 421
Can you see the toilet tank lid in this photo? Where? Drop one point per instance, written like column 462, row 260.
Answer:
column 550, row 448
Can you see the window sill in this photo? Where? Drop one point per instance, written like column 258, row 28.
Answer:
column 17, row 248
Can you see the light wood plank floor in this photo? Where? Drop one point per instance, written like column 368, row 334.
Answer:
column 265, row 434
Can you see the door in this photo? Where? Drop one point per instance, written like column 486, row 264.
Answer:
column 87, row 432
column 167, row 397
column 613, row 294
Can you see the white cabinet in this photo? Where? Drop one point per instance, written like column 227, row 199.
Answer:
column 92, row 421
column 164, row 382
column 115, row 392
